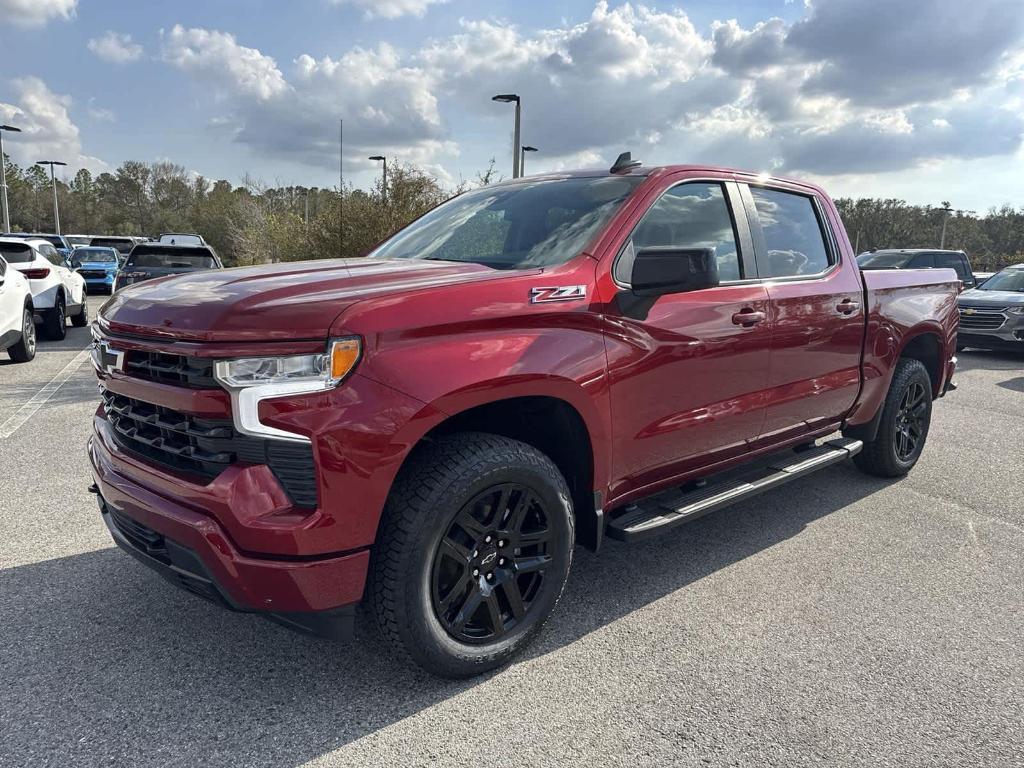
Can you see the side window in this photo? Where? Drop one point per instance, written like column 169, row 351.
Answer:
column 952, row 261
column 691, row 215
column 922, row 261
column 51, row 255
column 792, row 233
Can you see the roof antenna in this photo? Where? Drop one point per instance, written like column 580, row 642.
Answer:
column 624, row 162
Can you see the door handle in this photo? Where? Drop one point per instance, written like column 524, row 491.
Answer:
column 847, row 306
column 748, row 317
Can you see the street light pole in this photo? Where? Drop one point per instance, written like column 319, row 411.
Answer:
column 946, row 211
column 384, row 185
column 53, row 182
column 509, row 98
column 522, row 159
column 3, row 175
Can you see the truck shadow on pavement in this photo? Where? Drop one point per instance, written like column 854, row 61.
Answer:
column 103, row 662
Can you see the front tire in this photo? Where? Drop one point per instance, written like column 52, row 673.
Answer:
column 903, row 430
column 55, row 321
column 473, row 553
column 25, row 350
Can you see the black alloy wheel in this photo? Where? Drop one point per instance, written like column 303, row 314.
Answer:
column 902, row 423
column 490, row 564
column 472, row 553
column 910, row 424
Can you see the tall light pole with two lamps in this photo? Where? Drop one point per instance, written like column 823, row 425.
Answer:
column 53, row 182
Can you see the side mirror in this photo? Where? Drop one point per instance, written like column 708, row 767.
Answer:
column 664, row 270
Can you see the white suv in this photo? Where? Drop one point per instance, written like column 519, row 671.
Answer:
column 17, row 328
column 57, row 292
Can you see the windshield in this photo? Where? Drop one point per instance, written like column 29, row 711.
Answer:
column 123, row 245
column 1007, row 280
column 171, row 257
column 17, row 253
column 531, row 224
column 884, row 260
column 94, row 255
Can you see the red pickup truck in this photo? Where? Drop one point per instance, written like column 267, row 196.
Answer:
column 532, row 365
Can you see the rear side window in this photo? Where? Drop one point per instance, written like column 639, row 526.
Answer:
column 51, row 255
column 952, row 261
column 793, row 234
column 691, row 215
column 17, row 253
column 922, row 261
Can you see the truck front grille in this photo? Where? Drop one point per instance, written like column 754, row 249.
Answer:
column 206, row 447
column 92, row 274
column 181, row 371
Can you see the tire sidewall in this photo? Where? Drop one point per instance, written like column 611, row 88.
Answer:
column 432, row 645
column 912, row 374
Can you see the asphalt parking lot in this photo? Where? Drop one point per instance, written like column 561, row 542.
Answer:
column 840, row 620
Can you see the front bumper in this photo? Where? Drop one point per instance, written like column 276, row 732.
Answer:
column 1000, row 339
column 194, row 551
column 100, row 282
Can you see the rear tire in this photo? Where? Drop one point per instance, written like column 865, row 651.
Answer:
column 473, row 553
column 25, row 350
column 55, row 323
column 903, row 430
column 82, row 318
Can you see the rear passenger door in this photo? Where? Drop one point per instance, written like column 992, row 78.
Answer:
column 815, row 309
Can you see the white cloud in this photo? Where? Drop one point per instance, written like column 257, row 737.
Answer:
column 100, row 114
column 217, row 56
column 115, row 47
column 47, row 129
column 36, row 13
column 390, row 9
column 632, row 77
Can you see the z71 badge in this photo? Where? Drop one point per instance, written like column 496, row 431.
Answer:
column 558, row 293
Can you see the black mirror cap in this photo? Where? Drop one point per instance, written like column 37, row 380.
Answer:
column 664, row 270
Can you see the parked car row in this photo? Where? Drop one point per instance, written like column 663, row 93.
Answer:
column 991, row 304
column 46, row 278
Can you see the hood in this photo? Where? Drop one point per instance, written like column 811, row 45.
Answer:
column 108, row 265
column 271, row 302
column 1000, row 298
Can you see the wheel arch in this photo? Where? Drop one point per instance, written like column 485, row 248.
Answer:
column 551, row 423
column 922, row 343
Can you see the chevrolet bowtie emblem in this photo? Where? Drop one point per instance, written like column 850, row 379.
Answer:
column 107, row 359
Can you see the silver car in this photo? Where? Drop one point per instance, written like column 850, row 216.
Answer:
column 992, row 315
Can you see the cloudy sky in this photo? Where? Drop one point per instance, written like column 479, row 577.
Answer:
column 901, row 98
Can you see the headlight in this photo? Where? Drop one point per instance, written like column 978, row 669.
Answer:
column 1016, row 310
column 251, row 380
column 327, row 368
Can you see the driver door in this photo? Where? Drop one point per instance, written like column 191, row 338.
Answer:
column 688, row 371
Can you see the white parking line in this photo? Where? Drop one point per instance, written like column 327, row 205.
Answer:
column 23, row 414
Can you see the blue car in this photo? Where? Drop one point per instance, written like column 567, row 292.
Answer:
column 98, row 266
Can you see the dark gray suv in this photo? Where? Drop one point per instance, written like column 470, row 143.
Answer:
column 992, row 315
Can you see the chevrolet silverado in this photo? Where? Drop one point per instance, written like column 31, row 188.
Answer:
column 545, row 362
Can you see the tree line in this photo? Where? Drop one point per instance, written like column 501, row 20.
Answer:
column 252, row 222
